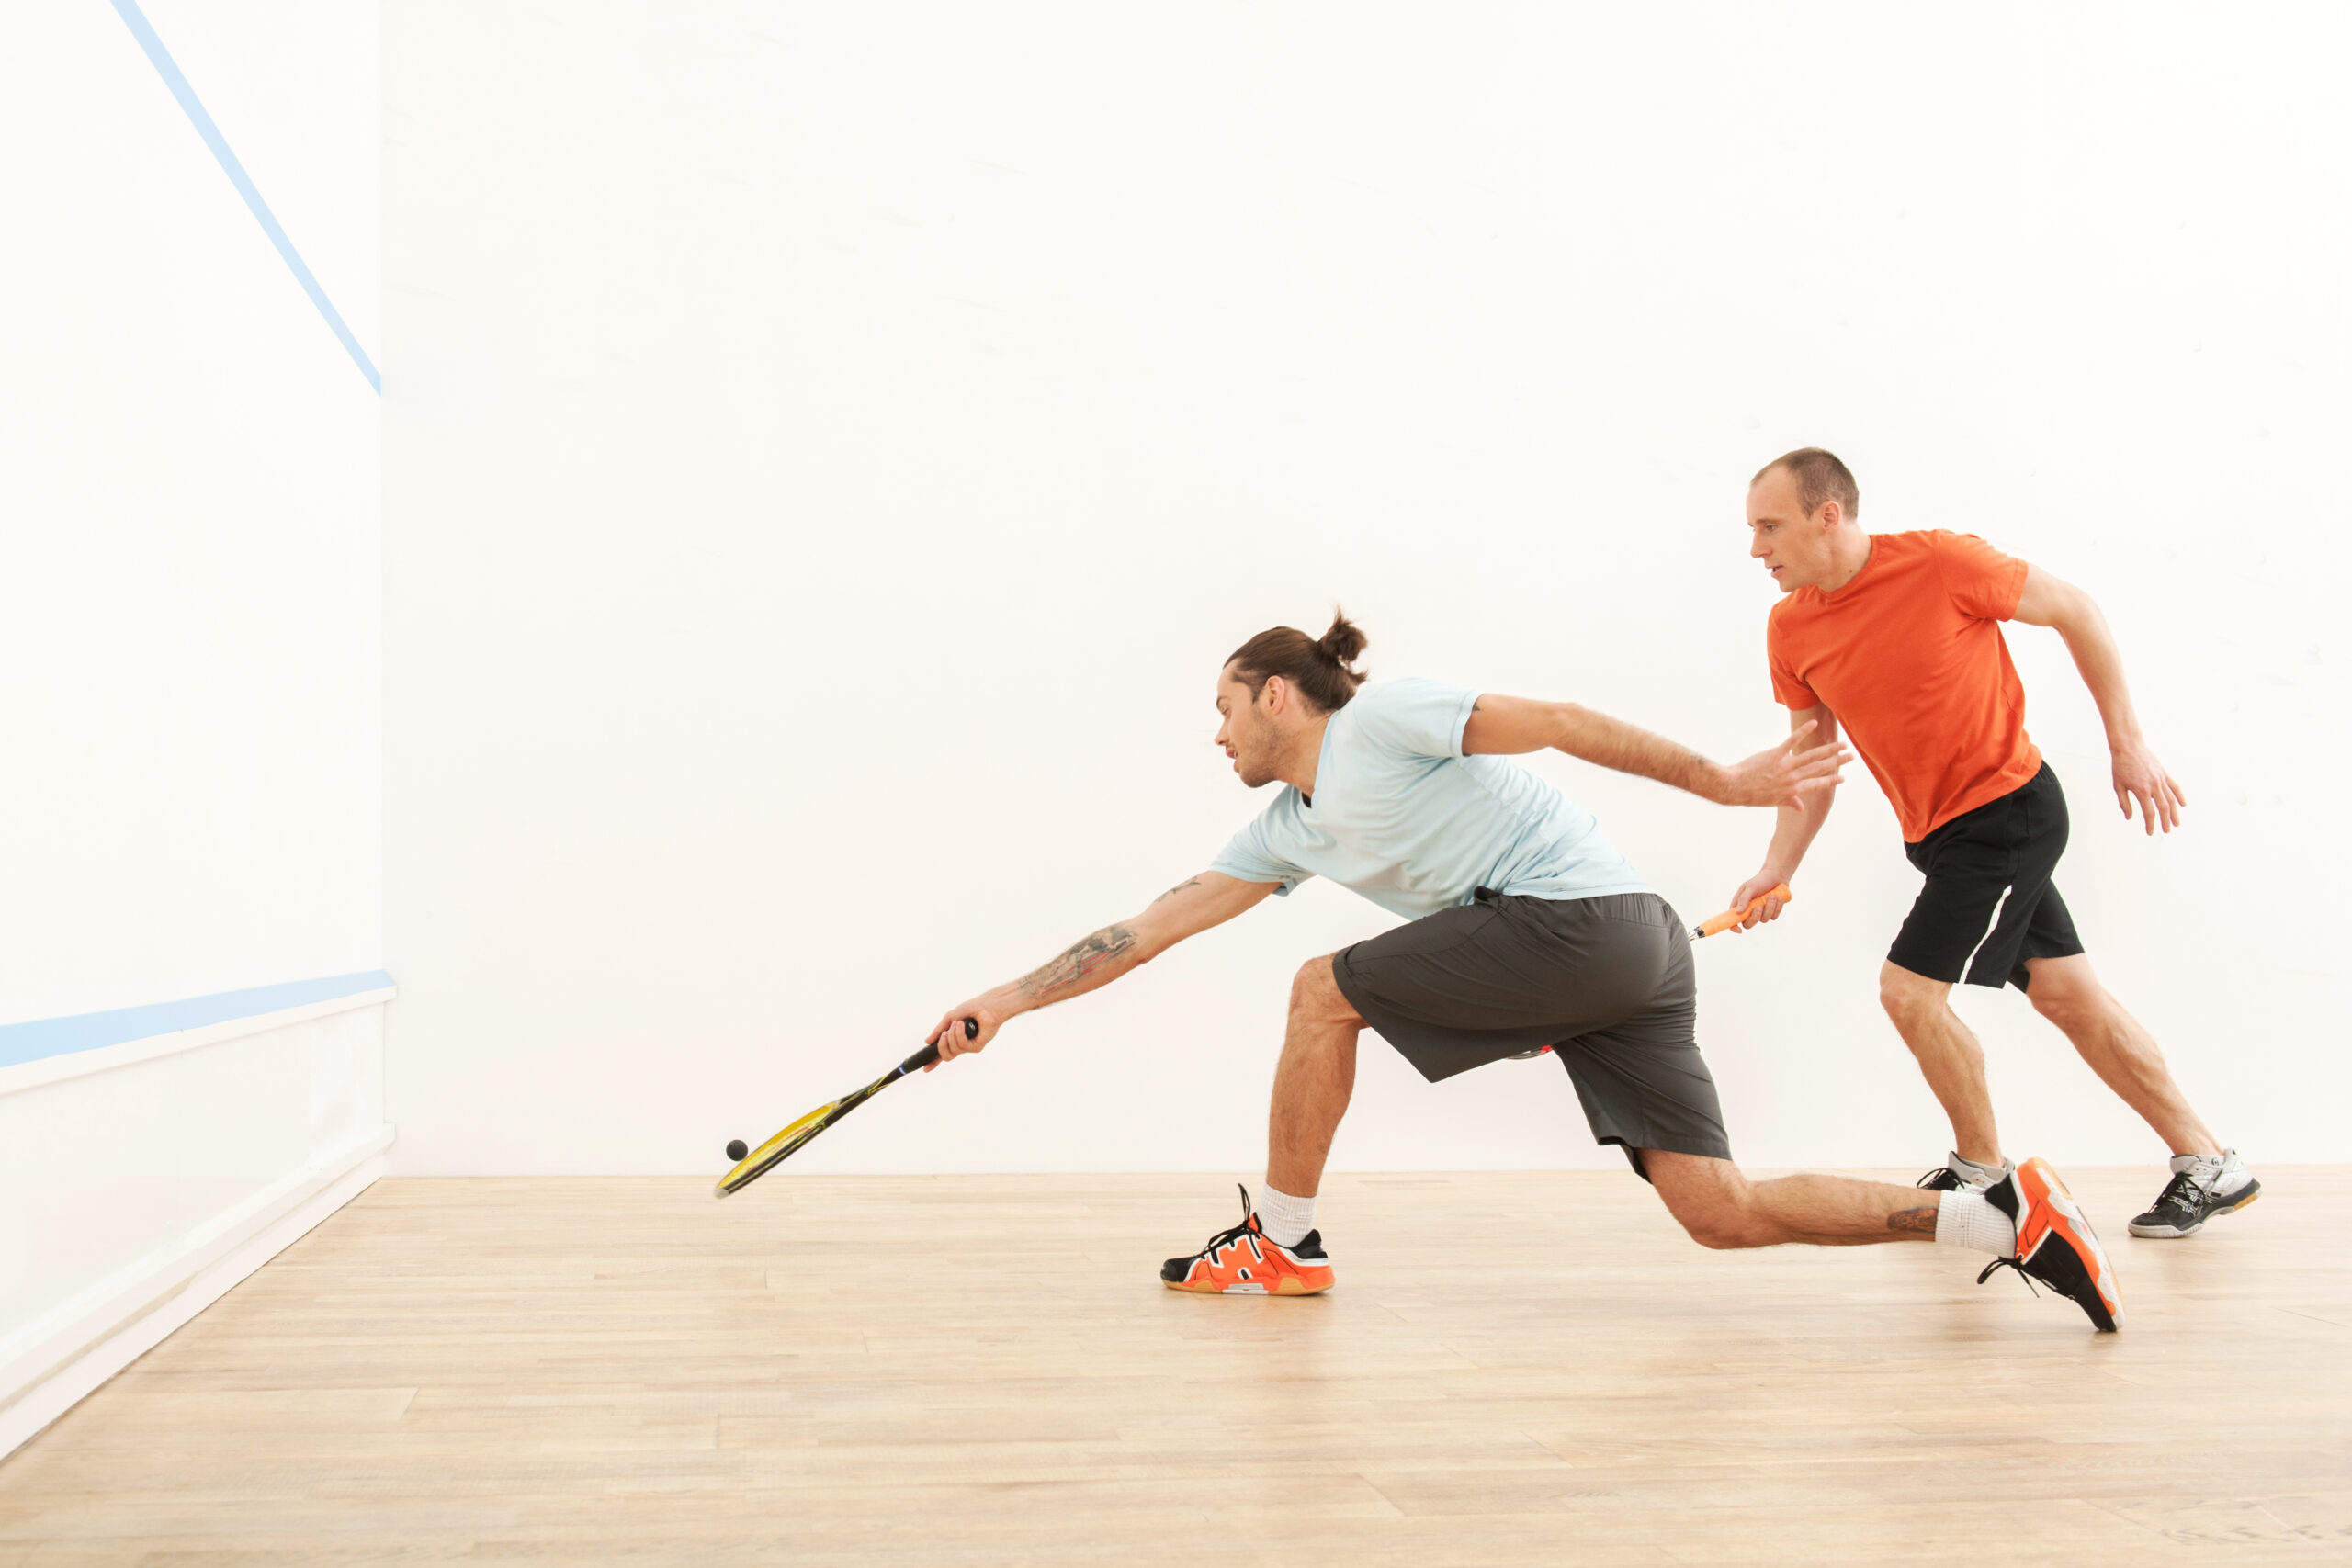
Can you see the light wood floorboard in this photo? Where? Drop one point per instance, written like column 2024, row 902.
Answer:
column 1514, row 1369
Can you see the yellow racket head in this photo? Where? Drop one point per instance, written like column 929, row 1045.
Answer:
column 759, row 1159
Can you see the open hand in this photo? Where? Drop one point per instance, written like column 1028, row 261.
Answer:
column 1786, row 773
column 2140, row 777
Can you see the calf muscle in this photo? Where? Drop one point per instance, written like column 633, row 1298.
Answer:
column 1721, row 1208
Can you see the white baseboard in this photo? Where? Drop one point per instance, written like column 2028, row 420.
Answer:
column 55, row 1363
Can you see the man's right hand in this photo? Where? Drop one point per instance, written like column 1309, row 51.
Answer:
column 1785, row 775
column 1755, row 887
column 948, row 1032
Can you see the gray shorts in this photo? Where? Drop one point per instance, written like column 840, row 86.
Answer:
column 1605, row 982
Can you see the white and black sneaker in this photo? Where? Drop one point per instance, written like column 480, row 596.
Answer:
column 1957, row 1175
column 2204, row 1186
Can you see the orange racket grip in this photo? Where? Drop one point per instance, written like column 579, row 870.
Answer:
column 1731, row 917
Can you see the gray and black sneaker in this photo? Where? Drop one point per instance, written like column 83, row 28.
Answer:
column 1957, row 1175
column 2204, row 1186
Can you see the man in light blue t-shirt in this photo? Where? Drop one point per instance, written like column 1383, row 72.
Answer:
column 1527, row 931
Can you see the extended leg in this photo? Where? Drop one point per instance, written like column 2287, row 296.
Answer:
column 1721, row 1208
column 2066, row 991
column 1314, row 1082
column 1948, row 1054
column 2027, row 1219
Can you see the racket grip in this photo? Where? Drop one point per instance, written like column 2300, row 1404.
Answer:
column 1731, row 917
column 930, row 1053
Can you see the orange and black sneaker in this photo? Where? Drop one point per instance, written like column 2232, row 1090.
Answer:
column 2055, row 1244
column 1245, row 1262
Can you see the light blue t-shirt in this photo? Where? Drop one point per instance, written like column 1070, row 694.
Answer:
column 1403, row 817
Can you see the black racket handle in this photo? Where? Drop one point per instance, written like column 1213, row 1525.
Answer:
column 930, row 1053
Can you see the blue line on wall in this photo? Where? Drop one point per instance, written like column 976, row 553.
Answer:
column 135, row 20
column 41, row 1037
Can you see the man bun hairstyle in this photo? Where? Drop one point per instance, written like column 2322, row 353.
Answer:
column 1321, row 668
column 1820, row 477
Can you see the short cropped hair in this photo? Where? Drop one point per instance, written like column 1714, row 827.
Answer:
column 1820, row 477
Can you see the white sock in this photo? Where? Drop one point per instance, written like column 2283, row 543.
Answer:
column 1969, row 1219
column 1284, row 1219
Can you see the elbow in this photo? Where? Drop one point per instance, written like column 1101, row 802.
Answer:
column 1569, row 722
column 2078, row 615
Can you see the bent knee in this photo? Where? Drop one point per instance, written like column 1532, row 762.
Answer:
column 1721, row 1232
column 2065, row 1003
column 1908, row 997
column 1315, row 990
column 2065, row 1010
column 1711, row 1200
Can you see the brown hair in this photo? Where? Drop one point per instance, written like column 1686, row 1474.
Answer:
column 1820, row 477
column 1321, row 669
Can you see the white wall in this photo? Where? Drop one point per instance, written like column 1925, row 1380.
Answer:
column 829, row 449
column 190, row 607
column 190, row 625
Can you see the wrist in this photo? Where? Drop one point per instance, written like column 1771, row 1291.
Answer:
column 1716, row 783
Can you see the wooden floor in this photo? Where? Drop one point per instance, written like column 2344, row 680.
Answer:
column 1514, row 1369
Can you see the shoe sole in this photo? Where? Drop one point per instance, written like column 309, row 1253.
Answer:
column 1287, row 1288
column 2167, row 1233
column 2072, row 1228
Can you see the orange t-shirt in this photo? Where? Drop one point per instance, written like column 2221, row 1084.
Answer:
column 1909, row 656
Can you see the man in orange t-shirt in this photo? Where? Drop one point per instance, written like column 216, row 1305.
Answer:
column 1897, row 637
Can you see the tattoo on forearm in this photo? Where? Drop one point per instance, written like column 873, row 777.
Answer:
column 1913, row 1222
column 1194, row 882
column 1078, row 961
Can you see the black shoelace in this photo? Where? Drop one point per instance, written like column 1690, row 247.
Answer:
column 1227, row 1238
column 2183, row 1193
column 2008, row 1263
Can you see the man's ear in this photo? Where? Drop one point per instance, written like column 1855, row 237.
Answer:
column 1275, row 693
column 1831, row 515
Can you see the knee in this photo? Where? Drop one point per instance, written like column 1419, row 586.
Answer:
column 1908, row 999
column 1315, row 993
column 2067, row 1011
column 1720, row 1215
column 2067, row 1004
column 1719, row 1232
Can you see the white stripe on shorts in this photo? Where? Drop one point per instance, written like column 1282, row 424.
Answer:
column 1991, row 927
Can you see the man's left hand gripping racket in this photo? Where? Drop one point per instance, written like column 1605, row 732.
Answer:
column 1730, row 918
column 790, row 1142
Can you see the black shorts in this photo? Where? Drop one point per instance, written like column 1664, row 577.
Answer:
column 1605, row 982
column 1989, row 904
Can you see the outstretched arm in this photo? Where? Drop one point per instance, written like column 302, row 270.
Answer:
column 2051, row 602
column 1784, row 775
column 1089, row 964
